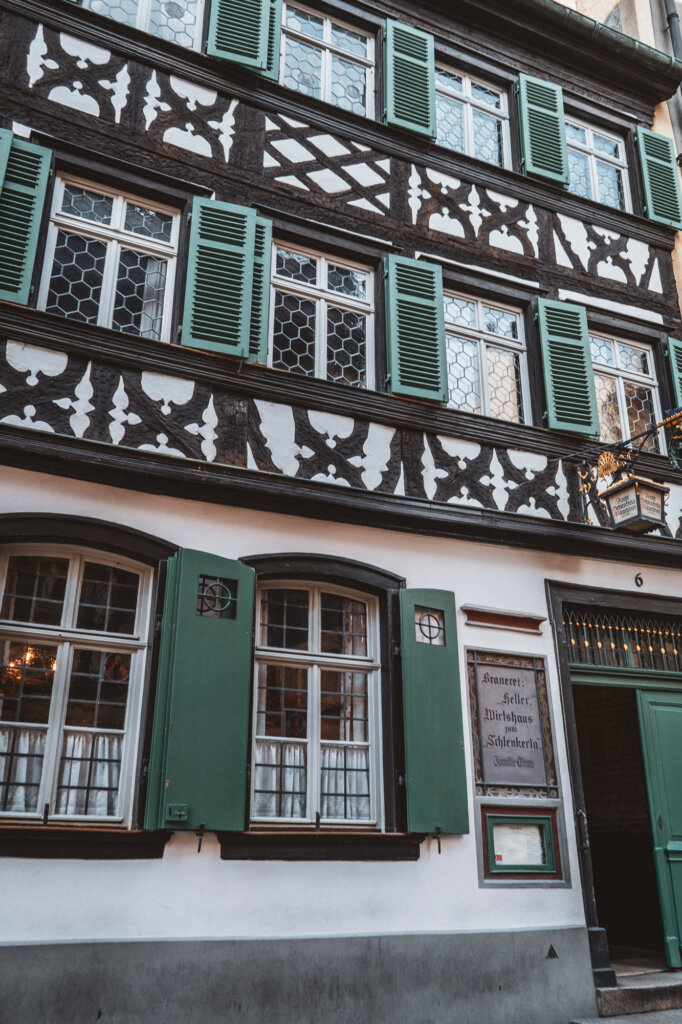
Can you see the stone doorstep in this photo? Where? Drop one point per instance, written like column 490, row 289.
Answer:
column 642, row 993
column 662, row 1017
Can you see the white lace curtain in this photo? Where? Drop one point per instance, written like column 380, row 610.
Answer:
column 88, row 780
column 21, row 766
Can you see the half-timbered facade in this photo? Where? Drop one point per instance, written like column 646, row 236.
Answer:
column 317, row 645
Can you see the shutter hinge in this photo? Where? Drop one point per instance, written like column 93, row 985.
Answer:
column 179, row 333
column 189, row 216
column 400, row 779
column 396, row 650
column 158, row 624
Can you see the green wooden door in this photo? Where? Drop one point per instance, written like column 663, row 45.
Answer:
column 660, row 718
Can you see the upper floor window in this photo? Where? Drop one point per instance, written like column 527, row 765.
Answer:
column 72, row 649
column 110, row 259
column 326, row 59
column 597, row 165
column 322, row 317
column 316, row 706
column 472, row 118
column 486, row 358
column 179, row 21
column 627, row 389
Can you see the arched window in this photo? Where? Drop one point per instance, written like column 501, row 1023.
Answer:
column 74, row 627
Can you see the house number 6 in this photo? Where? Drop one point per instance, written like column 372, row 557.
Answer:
column 639, row 580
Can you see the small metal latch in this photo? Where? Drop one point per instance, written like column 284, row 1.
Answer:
column 46, row 811
column 438, row 834
column 317, row 821
column 200, row 836
column 659, row 821
column 583, row 835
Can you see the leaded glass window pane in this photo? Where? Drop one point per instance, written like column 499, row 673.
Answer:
column 120, row 10
column 346, row 348
column 450, row 123
column 607, row 404
column 488, row 138
column 353, row 42
column 471, row 117
column 175, row 20
column 579, row 174
column 302, row 67
column 627, row 393
column 610, row 183
column 140, row 291
column 81, row 202
column 349, row 85
column 504, row 384
column 639, row 408
column 597, row 166
column 464, row 380
column 77, row 274
column 304, row 22
column 343, row 625
column 150, row 223
column 293, row 343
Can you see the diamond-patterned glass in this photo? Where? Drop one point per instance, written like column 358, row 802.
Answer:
column 610, row 183
column 602, row 350
column 634, row 359
column 149, row 223
column 607, row 405
column 293, row 343
column 296, row 266
column 349, row 85
column 81, row 202
column 464, row 382
column 639, row 409
column 302, row 67
column 302, row 21
column 76, row 282
column 140, row 290
column 346, row 281
column 460, row 311
column 450, row 122
column 500, row 321
column 119, row 10
column 346, row 347
column 174, row 20
column 504, row 384
column 579, row 174
column 352, row 42
column 488, row 138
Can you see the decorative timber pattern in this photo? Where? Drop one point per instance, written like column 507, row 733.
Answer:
column 47, row 390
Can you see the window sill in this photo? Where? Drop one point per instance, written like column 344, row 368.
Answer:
column 380, row 846
column 80, row 843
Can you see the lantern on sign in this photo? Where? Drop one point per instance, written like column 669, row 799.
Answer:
column 636, row 504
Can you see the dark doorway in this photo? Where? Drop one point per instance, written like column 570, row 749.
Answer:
column 617, row 808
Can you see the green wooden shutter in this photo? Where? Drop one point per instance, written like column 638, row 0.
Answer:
column 543, row 130
column 415, row 327
column 271, row 69
column 567, row 364
column 243, row 31
column 409, row 79
column 662, row 200
column 260, row 303
column 675, row 357
column 201, row 723
column 22, row 199
column 219, row 278
column 435, row 768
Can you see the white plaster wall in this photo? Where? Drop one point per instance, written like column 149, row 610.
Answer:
column 197, row 895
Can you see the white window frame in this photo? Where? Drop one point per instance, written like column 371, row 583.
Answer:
column 115, row 238
column 592, row 154
column 323, row 296
column 623, row 376
column 484, row 338
column 66, row 639
column 315, row 662
column 328, row 48
column 470, row 103
column 144, row 8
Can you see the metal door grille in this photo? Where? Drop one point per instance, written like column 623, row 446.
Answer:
column 619, row 640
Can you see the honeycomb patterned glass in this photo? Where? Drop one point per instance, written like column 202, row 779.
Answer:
column 302, row 21
column 302, row 67
column 450, row 122
column 119, row 10
column 140, row 292
column 504, row 384
column 352, row 42
column 579, row 174
column 174, row 20
column 501, row 322
column 602, row 351
column 639, row 409
column 149, row 223
column 575, row 134
column 449, row 81
column 293, row 343
column 296, row 266
column 636, row 360
column 76, row 281
column 81, row 202
column 346, row 281
column 607, row 405
column 346, row 347
column 610, row 183
column 460, row 311
column 484, row 95
column 464, row 379
column 610, row 147
column 488, row 138
column 349, row 85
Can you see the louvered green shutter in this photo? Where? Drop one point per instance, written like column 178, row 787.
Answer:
column 409, row 79
column 675, row 357
column 243, row 31
column 415, row 327
column 271, row 69
column 567, row 364
column 662, row 200
column 260, row 303
column 219, row 278
column 198, row 761
column 22, row 199
column 435, row 767
column 543, row 129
